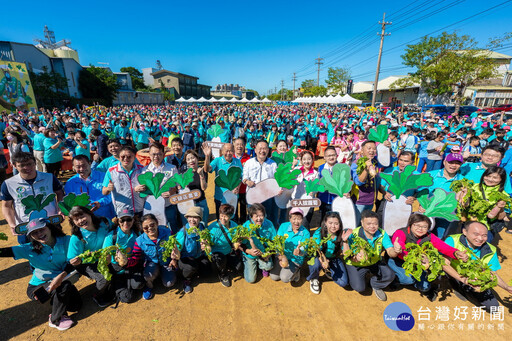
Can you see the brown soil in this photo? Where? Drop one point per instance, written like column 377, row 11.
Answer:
column 265, row 310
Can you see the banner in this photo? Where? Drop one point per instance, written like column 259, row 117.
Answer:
column 16, row 91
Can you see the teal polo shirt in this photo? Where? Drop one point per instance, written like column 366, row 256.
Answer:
column 475, row 170
column 292, row 241
column 440, row 181
column 218, row 164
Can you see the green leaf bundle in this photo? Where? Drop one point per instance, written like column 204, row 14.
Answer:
column 169, row 245
column 154, row 185
column 239, row 233
column 361, row 164
column 478, row 273
column 359, row 244
column 313, row 186
column 215, row 131
column 339, row 182
column 273, row 246
column 230, row 179
column 400, row 182
column 285, row 176
column 204, row 237
column 312, row 247
column 71, row 200
column 102, row 256
column 183, row 179
column 413, row 261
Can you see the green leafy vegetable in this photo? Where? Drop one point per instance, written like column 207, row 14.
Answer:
column 359, row 244
column 102, row 256
column 421, row 258
column 215, row 130
column 273, row 246
column 183, row 179
column 154, row 185
column 440, row 205
column 361, row 164
column 339, row 182
column 312, row 247
column 313, row 186
column 204, row 237
column 3, row 236
column 169, row 245
column 229, row 180
column 289, row 156
column 286, row 177
column 477, row 272
column 240, row 233
column 37, row 203
column 380, row 134
column 71, row 200
column 400, row 182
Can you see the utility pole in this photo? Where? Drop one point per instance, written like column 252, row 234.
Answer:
column 275, row 90
column 294, row 79
column 382, row 35
column 318, row 62
column 282, row 91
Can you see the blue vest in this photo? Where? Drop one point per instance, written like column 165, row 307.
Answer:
column 153, row 251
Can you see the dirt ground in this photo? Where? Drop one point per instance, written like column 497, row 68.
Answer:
column 265, row 310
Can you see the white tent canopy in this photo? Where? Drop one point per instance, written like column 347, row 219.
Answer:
column 266, row 100
column 192, row 100
column 223, row 100
column 347, row 99
column 181, row 99
column 202, row 99
column 244, row 100
column 234, row 100
column 255, row 100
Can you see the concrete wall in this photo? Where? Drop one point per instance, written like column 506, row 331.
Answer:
column 137, row 97
column 31, row 56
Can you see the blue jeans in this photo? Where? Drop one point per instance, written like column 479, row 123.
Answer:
column 421, row 162
column 423, row 285
column 338, row 271
column 433, row 165
column 359, row 210
column 152, row 270
column 251, row 267
column 173, row 218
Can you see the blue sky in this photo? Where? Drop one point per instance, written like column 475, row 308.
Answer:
column 253, row 44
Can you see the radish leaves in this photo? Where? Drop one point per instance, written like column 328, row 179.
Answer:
column 285, row 176
column 229, row 179
column 400, row 182
column 289, row 156
column 339, row 182
column 71, row 200
column 215, row 131
column 313, row 186
column 182, row 179
column 169, row 245
column 379, row 135
column 154, row 185
column 421, row 258
column 37, row 203
column 440, row 205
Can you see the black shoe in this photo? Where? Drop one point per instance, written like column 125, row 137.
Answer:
column 432, row 293
column 460, row 295
column 225, row 281
column 101, row 301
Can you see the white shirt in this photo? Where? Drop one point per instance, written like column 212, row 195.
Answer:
column 256, row 172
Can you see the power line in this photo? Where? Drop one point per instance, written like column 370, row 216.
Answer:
column 318, row 62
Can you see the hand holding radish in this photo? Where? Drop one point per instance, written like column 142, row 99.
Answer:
column 75, row 261
column 462, row 255
column 95, row 206
column 254, row 252
column 388, row 196
column 203, row 246
column 121, row 258
column 296, row 251
column 250, row 183
column 166, row 195
column 140, row 188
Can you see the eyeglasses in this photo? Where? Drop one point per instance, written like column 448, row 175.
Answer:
column 420, row 226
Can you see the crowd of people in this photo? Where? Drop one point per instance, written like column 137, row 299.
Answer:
column 104, row 144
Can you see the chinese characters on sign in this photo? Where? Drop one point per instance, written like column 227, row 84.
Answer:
column 460, row 318
column 306, row 203
column 179, row 198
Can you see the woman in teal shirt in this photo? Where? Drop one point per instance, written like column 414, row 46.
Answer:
column 125, row 280
column 223, row 255
column 253, row 249
column 82, row 145
column 52, row 152
column 88, row 234
column 46, row 253
column 295, row 234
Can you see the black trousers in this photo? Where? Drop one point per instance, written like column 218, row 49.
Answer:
column 91, row 271
column 191, row 267
column 63, row 299
column 224, row 263
column 241, row 212
column 124, row 284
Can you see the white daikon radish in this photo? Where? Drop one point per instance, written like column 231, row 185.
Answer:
column 215, row 132
column 383, row 155
column 184, row 206
column 262, row 191
column 215, row 150
column 283, row 199
column 156, row 206
column 284, row 179
column 338, row 182
column 396, row 214
column 228, row 181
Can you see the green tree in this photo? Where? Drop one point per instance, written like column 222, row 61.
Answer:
column 98, row 83
column 318, row 91
column 137, row 78
column 365, row 97
column 49, row 87
column 254, row 91
column 337, row 78
column 447, row 65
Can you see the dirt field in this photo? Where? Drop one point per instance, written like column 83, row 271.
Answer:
column 265, row 310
